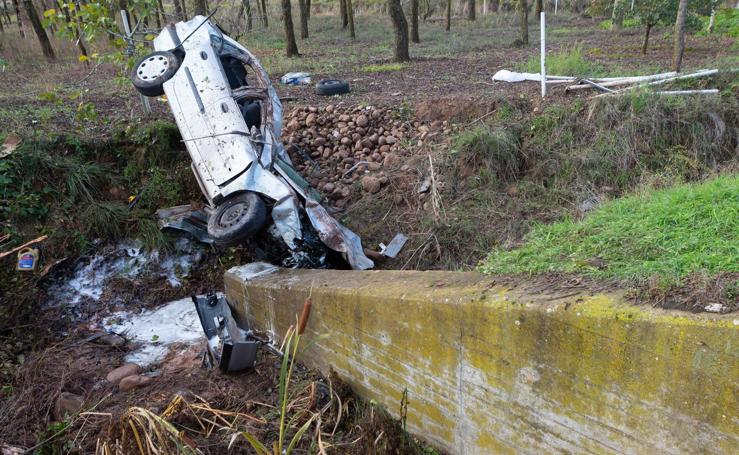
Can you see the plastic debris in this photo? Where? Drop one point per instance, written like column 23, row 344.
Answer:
column 295, row 79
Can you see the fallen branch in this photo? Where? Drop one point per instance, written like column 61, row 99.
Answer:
column 18, row 248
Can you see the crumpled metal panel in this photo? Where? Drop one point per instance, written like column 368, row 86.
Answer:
column 336, row 236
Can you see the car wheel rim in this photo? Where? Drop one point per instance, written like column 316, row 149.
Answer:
column 232, row 215
column 152, row 68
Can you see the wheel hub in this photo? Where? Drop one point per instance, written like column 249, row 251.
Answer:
column 232, row 215
column 152, row 68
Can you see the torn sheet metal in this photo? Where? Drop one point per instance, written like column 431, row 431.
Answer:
column 230, row 346
column 393, row 248
column 186, row 218
column 337, row 237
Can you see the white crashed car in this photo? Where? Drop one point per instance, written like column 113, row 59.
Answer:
column 231, row 128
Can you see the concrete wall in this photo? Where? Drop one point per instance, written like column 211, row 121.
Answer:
column 499, row 369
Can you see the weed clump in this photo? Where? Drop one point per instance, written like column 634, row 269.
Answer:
column 496, row 150
column 568, row 62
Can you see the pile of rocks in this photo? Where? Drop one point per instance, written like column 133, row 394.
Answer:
column 338, row 148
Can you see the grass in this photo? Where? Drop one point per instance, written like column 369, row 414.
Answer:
column 384, row 67
column 567, row 62
column 670, row 233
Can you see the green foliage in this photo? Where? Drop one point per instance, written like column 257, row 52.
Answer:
column 567, row 62
column 725, row 23
column 97, row 21
column 104, row 220
column 283, row 445
column 668, row 233
column 664, row 12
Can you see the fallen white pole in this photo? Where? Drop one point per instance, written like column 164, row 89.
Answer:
column 711, row 91
column 543, row 27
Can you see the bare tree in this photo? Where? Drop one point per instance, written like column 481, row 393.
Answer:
column 400, row 25
column 494, row 5
column 448, row 25
column 249, row 14
column 471, row 10
column 350, row 18
column 303, row 6
column 291, row 47
column 19, row 18
column 677, row 55
column 414, row 22
column 307, row 5
column 539, row 7
column 524, row 21
column 5, row 10
column 265, row 18
column 43, row 38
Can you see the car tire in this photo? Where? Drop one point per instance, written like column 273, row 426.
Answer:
column 151, row 72
column 237, row 218
column 331, row 87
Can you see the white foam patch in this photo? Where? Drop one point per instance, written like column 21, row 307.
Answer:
column 157, row 330
column 129, row 260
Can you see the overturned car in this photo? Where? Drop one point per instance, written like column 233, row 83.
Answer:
column 231, row 128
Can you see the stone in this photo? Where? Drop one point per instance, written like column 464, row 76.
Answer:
column 68, row 404
column 134, row 381
column 384, row 148
column 127, row 369
column 362, row 120
column 382, row 140
column 329, row 109
column 111, row 339
column 371, row 184
column 329, row 187
column 391, row 140
column 391, row 160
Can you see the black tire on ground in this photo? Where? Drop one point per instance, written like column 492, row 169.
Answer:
column 152, row 71
column 330, row 87
column 237, row 218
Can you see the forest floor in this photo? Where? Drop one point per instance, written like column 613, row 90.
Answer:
column 504, row 161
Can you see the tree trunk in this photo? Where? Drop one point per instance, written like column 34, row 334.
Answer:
column 303, row 6
column 184, row 10
column 524, row 18
column 414, row 22
column 400, row 25
column 617, row 17
column 249, row 15
column 265, row 18
column 448, row 25
column 711, row 21
column 494, row 5
column 19, row 18
column 307, row 5
column 539, row 7
column 5, row 10
column 343, row 14
column 471, row 10
column 350, row 17
column 291, row 47
column 178, row 10
column 161, row 14
column 43, row 38
column 199, row 8
column 646, row 39
column 677, row 53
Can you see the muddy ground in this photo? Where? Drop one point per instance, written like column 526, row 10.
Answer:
column 48, row 351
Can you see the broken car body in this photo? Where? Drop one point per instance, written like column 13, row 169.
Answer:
column 231, row 129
